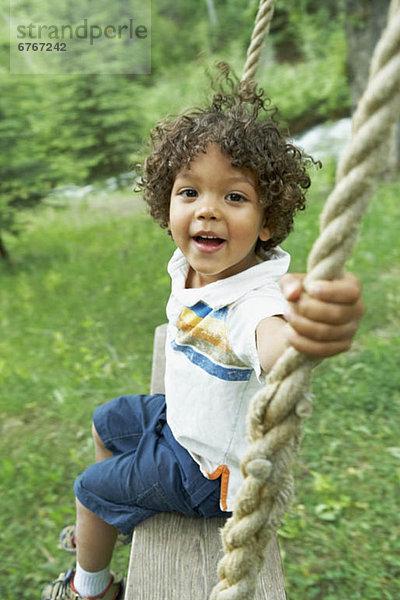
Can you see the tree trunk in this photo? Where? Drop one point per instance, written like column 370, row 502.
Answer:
column 365, row 22
column 4, row 252
column 212, row 15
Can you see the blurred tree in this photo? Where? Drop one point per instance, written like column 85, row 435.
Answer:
column 212, row 15
column 304, row 62
column 24, row 173
column 364, row 25
column 235, row 24
column 180, row 31
column 93, row 125
column 186, row 28
column 69, row 129
column 298, row 27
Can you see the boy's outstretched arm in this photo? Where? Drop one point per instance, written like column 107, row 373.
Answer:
column 321, row 323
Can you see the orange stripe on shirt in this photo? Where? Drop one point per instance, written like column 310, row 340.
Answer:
column 223, row 472
column 212, row 331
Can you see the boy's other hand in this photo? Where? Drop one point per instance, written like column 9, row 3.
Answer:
column 323, row 321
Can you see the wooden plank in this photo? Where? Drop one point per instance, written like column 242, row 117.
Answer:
column 157, row 385
column 175, row 557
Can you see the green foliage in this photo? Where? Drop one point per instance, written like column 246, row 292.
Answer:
column 23, row 165
column 308, row 79
column 183, row 31
column 77, row 315
column 93, row 126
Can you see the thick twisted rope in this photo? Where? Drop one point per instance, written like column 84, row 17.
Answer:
column 261, row 28
column 276, row 412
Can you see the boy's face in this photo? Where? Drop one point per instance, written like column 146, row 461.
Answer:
column 215, row 218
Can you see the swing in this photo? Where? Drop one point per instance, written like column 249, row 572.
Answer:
column 174, row 557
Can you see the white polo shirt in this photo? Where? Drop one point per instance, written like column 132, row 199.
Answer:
column 212, row 365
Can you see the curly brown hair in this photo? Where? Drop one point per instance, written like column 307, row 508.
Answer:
column 242, row 123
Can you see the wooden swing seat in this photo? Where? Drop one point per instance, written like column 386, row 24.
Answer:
column 174, row 557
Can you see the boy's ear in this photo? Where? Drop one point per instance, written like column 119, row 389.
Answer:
column 265, row 233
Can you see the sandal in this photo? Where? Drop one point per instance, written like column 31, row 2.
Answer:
column 63, row 589
column 68, row 544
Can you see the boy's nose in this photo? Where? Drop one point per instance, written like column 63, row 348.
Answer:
column 207, row 210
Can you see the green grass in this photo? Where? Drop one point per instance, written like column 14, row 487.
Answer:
column 77, row 314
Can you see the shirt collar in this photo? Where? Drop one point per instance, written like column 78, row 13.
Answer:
column 225, row 291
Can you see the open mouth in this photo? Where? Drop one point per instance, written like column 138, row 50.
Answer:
column 210, row 241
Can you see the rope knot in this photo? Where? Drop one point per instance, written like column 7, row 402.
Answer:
column 260, row 468
column 304, row 406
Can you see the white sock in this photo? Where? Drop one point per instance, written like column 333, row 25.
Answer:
column 91, row 584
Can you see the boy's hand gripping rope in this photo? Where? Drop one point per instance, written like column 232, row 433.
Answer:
column 276, row 411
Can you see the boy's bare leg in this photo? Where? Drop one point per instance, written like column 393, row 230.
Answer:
column 100, row 451
column 95, row 540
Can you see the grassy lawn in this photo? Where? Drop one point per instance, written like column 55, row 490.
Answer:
column 77, row 314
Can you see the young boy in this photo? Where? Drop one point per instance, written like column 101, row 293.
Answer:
column 227, row 185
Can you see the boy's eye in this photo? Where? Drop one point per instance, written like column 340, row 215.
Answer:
column 235, row 197
column 188, row 193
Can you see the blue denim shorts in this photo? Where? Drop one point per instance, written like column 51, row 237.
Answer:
column 149, row 471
